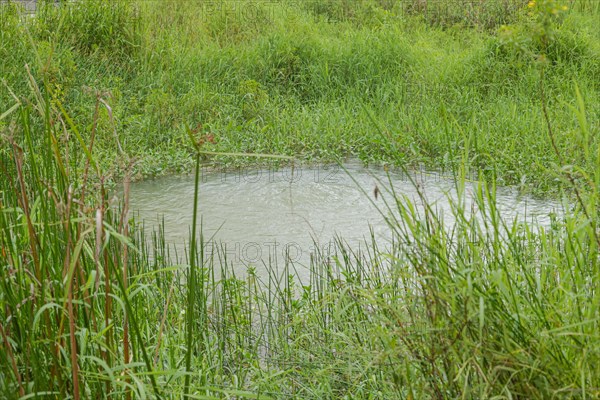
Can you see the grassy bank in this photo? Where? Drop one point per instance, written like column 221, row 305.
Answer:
column 307, row 79
column 484, row 308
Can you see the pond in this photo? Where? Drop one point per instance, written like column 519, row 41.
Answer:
column 260, row 217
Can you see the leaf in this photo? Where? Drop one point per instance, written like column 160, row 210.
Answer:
column 9, row 111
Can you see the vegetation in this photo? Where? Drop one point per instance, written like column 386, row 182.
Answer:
column 483, row 308
column 306, row 79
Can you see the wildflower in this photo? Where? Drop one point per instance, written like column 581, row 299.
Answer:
column 531, row 4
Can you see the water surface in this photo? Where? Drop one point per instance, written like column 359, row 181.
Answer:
column 270, row 215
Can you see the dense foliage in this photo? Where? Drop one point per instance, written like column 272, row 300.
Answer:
column 308, row 78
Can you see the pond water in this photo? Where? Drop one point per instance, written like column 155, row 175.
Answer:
column 262, row 217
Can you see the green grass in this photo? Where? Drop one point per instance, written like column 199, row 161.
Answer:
column 275, row 77
column 483, row 308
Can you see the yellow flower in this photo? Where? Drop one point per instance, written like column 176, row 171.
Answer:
column 531, row 4
column 565, row 8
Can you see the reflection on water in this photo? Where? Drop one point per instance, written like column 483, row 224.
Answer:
column 262, row 216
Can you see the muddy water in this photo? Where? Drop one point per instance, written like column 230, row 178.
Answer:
column 261, row 217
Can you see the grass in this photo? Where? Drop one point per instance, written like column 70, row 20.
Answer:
column 481, row 308
column 279, row 78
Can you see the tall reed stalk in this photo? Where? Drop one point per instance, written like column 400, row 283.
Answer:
column 192, row 284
